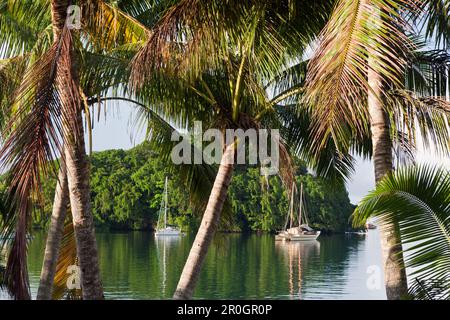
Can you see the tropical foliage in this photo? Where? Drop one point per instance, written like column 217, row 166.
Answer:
column 126, row 190
column 418, row 199
column 371, row 88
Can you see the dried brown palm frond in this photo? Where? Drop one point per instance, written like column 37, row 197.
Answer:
column 33, row 140
column 337, row 83
column 188, row 26
column 197, row 34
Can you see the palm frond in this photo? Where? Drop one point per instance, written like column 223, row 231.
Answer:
column 67, row 258
column 11, row 73
column 20, row 24
column 429, row 115
column 418, row 199
column 148, row 12
column 101, row 72
column 329, row 163
column 428, row 73
column 197, row 34
column 435, row 20
column 337, row 83
column 32, row 140
column 108, row 26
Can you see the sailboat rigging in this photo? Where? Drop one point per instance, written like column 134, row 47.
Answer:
column 163, row 229
column 301, row 232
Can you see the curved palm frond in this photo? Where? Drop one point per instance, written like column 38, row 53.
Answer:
column 428, row 73
column 20, row 24
column 330, row 163
column 147, row 12
column 337, row 84
column 33, row 137
column 108, row 26
column 198, row 34
column 418, row 199
column 411, row 115
column 435, row 19
column 101, row 72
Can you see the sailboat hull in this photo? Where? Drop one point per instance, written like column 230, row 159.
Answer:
column 286, row 236
column 304, row 237
column 167, row 232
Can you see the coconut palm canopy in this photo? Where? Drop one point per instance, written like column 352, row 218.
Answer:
column 231, row 64
column 414, row 80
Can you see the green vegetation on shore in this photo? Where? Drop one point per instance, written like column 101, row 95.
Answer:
column 126, row 190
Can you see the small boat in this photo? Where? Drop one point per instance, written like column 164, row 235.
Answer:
column 303, row 232
column 370, row 226
column 358, row 232
column 163, row 229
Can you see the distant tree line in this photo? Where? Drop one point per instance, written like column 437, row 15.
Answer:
column 127, row 186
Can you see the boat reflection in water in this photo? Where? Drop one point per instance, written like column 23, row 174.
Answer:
column 163, row 246
column 298, row 254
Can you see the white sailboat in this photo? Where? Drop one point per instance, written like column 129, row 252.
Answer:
column 303, row 231
column 163, row 229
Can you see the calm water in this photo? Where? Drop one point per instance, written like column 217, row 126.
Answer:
column 138, row 266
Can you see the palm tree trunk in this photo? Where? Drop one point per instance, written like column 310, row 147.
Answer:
column 54, row 236
column 78, row 181
column 394, row 270
column 208, row 227
column 77, row 168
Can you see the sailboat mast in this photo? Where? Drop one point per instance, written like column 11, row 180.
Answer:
column 301, row 205
column 291, row 207
column 165, row 204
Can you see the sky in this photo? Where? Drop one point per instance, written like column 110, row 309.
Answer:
column 119, row 131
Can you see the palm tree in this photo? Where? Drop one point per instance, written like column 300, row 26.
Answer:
column 113, row 37
column 417, row 199
column 54, row 237
column 353, row 79
column 55, row 61
column 212, row 61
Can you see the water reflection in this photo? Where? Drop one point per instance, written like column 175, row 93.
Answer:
column 163, row 248
column 294, row 253
column 135, row 265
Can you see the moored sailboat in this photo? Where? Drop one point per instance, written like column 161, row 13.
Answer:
column 303, row 231
column 163, row 229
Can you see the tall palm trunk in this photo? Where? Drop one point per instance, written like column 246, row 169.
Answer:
column 394, row 270
column 78, row 181
column 54, row 236
column 208, row 227
column 77, row 169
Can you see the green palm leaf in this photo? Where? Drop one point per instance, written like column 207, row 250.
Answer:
column 107, row 26
column 20, row 25
column 418, row 199
column 337, row 83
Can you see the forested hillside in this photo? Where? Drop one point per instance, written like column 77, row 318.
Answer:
column 126, row 190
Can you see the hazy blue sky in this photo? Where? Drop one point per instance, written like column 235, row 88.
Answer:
column 120, row 132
